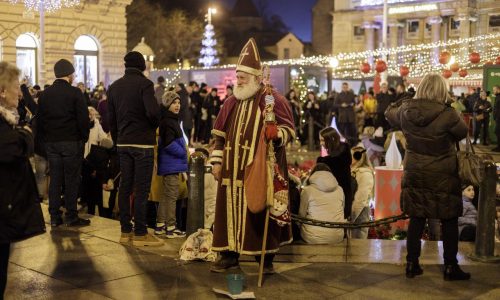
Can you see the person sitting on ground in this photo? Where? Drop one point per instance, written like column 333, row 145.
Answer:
column 172, row 160
column 322, row 200
column 339, row 161
column 362, row 172
column 467, row 222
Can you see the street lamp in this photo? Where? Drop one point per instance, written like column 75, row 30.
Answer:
column 211, row 11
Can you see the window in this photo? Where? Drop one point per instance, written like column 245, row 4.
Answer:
column 494, row 23
column 428, row 30
column 26, row 51
column 413, row 28
column 454, row 26
column 86, row 61
column 286, row 53
column 359, row 33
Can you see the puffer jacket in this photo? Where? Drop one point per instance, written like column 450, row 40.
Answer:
column 430, row 186
column 172, row 153
column 322, row 200
column 365, row 181
column 468, row 217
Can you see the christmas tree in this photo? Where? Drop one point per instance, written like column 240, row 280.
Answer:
column 208, row 53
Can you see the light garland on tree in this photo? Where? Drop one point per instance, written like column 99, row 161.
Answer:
column 46, row 5
column 170, row 80
column 208, row 52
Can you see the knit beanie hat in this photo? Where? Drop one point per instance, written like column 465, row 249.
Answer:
column 63, row 68
column 169, row 97
column 134, row 59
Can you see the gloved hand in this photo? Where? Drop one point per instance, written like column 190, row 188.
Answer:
column 271, row 131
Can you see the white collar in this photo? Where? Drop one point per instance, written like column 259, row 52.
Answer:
column 8, row 115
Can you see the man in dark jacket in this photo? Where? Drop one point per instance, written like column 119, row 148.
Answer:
column 63, row 121
column 134, row 116
column 384, row 99
column 496, row 115
column 346, row 120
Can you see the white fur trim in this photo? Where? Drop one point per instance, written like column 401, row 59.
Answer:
column 8, row 115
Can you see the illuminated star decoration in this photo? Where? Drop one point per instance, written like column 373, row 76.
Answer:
column 46, row 5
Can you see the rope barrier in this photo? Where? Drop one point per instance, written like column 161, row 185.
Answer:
column 327, row 224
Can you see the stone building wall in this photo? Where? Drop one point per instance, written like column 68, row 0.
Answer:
column 103, row 20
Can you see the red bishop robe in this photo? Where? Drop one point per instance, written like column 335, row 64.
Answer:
column 236, row 132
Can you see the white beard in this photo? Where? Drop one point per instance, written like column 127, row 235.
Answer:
column 246, row 91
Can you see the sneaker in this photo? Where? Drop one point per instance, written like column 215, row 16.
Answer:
column 160, row 229
column 126, row 237
column 146, row 240
column 78, row 222
column 224, row 264
column 174, row 232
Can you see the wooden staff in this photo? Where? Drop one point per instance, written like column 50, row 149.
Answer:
column 269, row 117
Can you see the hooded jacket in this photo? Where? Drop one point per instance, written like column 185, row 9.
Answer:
column 322, row 200
column 430, row 187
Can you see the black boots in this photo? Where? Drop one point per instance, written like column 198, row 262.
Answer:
column 227, row 261
column 413, row 269
column 453, row 272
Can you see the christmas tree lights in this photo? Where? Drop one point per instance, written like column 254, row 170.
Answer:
column 208, row 52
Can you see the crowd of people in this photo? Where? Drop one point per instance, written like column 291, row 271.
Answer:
column 131, row 140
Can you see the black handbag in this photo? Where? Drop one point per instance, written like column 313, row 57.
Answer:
column 470, row 165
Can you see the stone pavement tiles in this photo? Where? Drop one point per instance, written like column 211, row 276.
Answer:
column 89, row 263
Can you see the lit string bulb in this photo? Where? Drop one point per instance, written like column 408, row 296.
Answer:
column 417, row 57
column 46, row 5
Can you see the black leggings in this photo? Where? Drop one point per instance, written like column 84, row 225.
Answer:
column 4, row 263
column 449, row 233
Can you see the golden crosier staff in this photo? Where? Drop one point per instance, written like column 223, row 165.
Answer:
column 269, row 117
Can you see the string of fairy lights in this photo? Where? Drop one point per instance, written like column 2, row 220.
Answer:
column 419, row 58
column 46, row 5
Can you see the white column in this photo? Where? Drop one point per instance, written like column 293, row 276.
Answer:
column 394, row 30
column 369, row 37
column 435, row 22
column 464, row 31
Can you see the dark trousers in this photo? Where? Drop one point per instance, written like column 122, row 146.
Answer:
column 381, row 121
column 4, row 263
column 65, row 165
column 449, row 232
column 348, row 130
column 484, row 125
column 136, row 166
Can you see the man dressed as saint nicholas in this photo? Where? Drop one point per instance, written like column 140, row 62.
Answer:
column 236, row 132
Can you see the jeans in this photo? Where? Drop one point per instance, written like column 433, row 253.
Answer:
column 65, row 163
column 483, row 124
column 4, row 263
column 136, row 166
column 364, row 216
column 41, row 175
column 168, row 201
column 449, row 230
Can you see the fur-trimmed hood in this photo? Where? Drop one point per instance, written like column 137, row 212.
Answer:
column 8, row 116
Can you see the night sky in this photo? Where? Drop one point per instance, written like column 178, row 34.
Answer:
column 296, row 14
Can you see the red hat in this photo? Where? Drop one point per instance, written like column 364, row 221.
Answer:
column 249, row 61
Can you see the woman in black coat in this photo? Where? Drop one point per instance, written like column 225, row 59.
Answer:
column 339, row 161
column 20, row 213
column 430, row 188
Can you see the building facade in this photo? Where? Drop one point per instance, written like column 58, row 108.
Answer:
column 357, row 24
column 92, row 35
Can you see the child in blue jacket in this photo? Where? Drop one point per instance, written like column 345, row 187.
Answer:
column 172, row 161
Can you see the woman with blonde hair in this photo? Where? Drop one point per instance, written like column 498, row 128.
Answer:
column 362, row 172
column 430, row 188
column 20, row 213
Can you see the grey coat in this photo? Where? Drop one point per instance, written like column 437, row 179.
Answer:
column 430, row 187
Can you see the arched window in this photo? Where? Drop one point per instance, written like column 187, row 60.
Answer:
column 26, row 61
column 86, row 61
